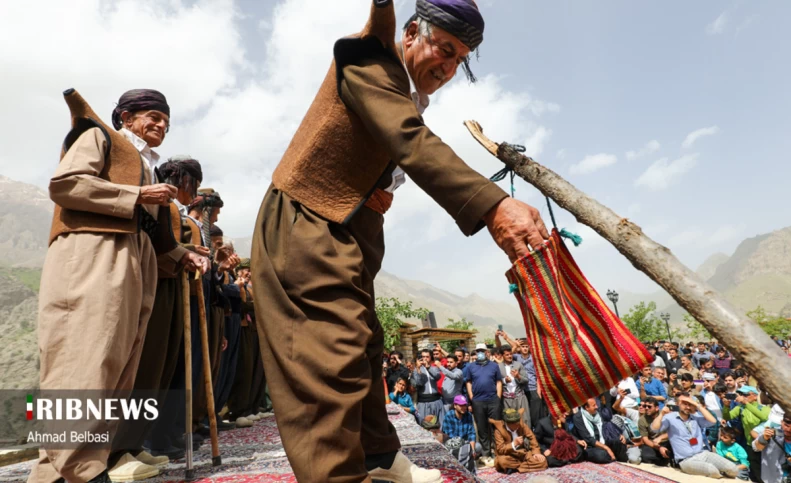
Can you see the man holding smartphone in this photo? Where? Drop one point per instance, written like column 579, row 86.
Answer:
column 775, row 448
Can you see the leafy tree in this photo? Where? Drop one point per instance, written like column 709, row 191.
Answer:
column 391, row 313
column 462, row 324
column 643, row 322
column 772, row 325
column 695, row 329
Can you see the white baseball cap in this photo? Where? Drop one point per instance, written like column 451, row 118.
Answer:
column 481, row 347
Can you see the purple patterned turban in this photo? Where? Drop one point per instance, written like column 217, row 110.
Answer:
column 459, row 18
column 139, row 100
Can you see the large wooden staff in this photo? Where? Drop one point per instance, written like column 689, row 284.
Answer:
column 189, row 473
column 216, row 460
column 738, row 332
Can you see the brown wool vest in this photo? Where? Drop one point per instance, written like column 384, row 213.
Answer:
column 333, row 165
column 122, row 165
column 174, row 226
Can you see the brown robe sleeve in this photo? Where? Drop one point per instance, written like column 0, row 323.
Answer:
column 374, row 90
column 76, row 184
column 531, row 440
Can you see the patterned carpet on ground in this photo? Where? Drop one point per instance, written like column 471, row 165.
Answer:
column 256, row 455
column 579, row 473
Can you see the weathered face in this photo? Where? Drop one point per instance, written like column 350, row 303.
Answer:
column 432, row 60
column 187, row 190
column 150, row 126
column 216, row 242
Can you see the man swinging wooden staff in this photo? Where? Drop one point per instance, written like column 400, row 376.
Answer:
column 319, row 240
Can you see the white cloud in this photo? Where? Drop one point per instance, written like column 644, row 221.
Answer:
column 534, row 145
column 649, row 148
column 747, row 22
column 718, row 25
column 697, row 134
column 191, row 51
column 593, row 162
column 662, row 172
column 505, row 115
column 561, row 154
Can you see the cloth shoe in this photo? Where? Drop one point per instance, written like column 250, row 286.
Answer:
column 403, row 471
column 130, row 469
column 147, row 458
column 242, row 422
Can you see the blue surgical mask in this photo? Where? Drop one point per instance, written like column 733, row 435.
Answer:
column 481, row 356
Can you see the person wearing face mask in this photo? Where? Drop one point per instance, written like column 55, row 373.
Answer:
column 485, row 391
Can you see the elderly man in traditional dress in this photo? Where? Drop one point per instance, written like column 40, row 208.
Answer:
column 100, row 274
column 164, row 336
column 319, row 243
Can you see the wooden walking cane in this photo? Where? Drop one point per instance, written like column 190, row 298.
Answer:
column 189, row 473
column 740, row 334
column 216, row 459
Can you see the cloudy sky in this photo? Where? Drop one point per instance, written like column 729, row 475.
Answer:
column 675, row 114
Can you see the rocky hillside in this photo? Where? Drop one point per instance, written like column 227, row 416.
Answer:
column 25, row 216
column 18, row 311
column 758, row 273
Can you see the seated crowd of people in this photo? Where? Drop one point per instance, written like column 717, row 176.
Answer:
column 695, row 408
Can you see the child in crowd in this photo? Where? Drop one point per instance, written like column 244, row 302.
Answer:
column 729, row 449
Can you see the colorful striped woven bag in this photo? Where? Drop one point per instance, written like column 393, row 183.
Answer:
column 581, row 349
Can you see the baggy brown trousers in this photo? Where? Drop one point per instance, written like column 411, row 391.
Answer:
column 321, row 343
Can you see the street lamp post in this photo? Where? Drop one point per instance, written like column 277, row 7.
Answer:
column 613, row 296
column 666, row 317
